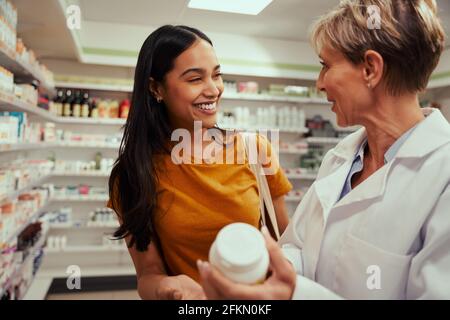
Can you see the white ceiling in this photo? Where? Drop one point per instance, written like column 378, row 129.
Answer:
column 282, row 19
column 42, row 23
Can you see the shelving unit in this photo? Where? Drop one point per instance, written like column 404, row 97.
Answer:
column 15, row 193
column 21, row 70
column 86, row 249
column 81, row 174
column 81, row 199
column 32, row 251
column 10, row 103
column 33, row 218
column 74, row 226
column 226, row 95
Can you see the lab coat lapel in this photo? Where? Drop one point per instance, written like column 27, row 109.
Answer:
column 329, row 187
column 431, row 133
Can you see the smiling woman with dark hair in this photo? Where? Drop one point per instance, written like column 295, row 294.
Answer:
column 376, row 222
column 170, row 213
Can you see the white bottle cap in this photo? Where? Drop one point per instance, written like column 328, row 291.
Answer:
column 240, row 253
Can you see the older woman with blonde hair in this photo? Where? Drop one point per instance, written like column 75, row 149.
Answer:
column 376, row 222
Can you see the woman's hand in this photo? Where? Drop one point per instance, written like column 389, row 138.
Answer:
column 179, row 287
column 279, row 286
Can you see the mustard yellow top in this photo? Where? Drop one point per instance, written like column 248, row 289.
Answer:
column 196, row 200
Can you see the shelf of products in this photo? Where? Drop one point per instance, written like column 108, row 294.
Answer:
column 99, row 218
column 87, row 173
column 95, row 86
column 10, row 103
column 20, row 176
column 273, row 98
column 36, row 215
column 24, row 70
column 22, row 261
column 58, row 244
column 16, row 57
column 86, row 249
column 276, row 93
column 86, row 198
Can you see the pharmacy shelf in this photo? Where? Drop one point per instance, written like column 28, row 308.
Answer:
column 23, row 72
column 86, row 249
column 80, row 174
column 46, row 145
column 86, row 198
column 37, row 246
column 226, row 95
column 8, row 102
column 71, row 225
column 260, row 129
column 16, row 193
column 81, row 144
column 91, row 121
column 94, row 86
column 273, row 98
column 33, row 218
column 25, row 146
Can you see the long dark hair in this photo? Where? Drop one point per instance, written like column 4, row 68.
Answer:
column 133, row 180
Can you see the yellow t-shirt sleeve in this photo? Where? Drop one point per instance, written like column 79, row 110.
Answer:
column 276, row 179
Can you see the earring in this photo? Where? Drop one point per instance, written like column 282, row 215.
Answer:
column 369, row 85
column 158, row 100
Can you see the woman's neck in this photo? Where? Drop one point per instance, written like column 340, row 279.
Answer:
column 392, row 117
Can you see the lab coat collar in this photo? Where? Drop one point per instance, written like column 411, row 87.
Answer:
column 430, row 134
column 347, row 148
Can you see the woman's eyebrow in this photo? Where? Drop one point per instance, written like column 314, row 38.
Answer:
column 198, row 70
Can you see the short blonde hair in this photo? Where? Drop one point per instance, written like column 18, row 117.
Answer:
column 410, row 38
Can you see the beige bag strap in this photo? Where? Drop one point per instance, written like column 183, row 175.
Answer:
column 265, row 199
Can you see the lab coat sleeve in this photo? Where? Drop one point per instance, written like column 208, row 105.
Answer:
column 429, row 275
column 291, row 244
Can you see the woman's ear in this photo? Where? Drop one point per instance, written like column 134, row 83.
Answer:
column 373, row 68
column 156, row 89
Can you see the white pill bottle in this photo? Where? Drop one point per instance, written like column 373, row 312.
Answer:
column 240, row 253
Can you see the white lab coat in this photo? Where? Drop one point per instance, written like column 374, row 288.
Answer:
column 389, row 238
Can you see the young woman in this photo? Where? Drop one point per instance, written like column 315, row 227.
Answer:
column 170, row 213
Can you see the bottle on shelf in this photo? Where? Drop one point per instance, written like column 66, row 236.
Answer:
column 103, row 108
column 124, row 109
column 94, row 109
column 58, row 103
column 85, row 105
column 76, row 105
column 67, row 109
